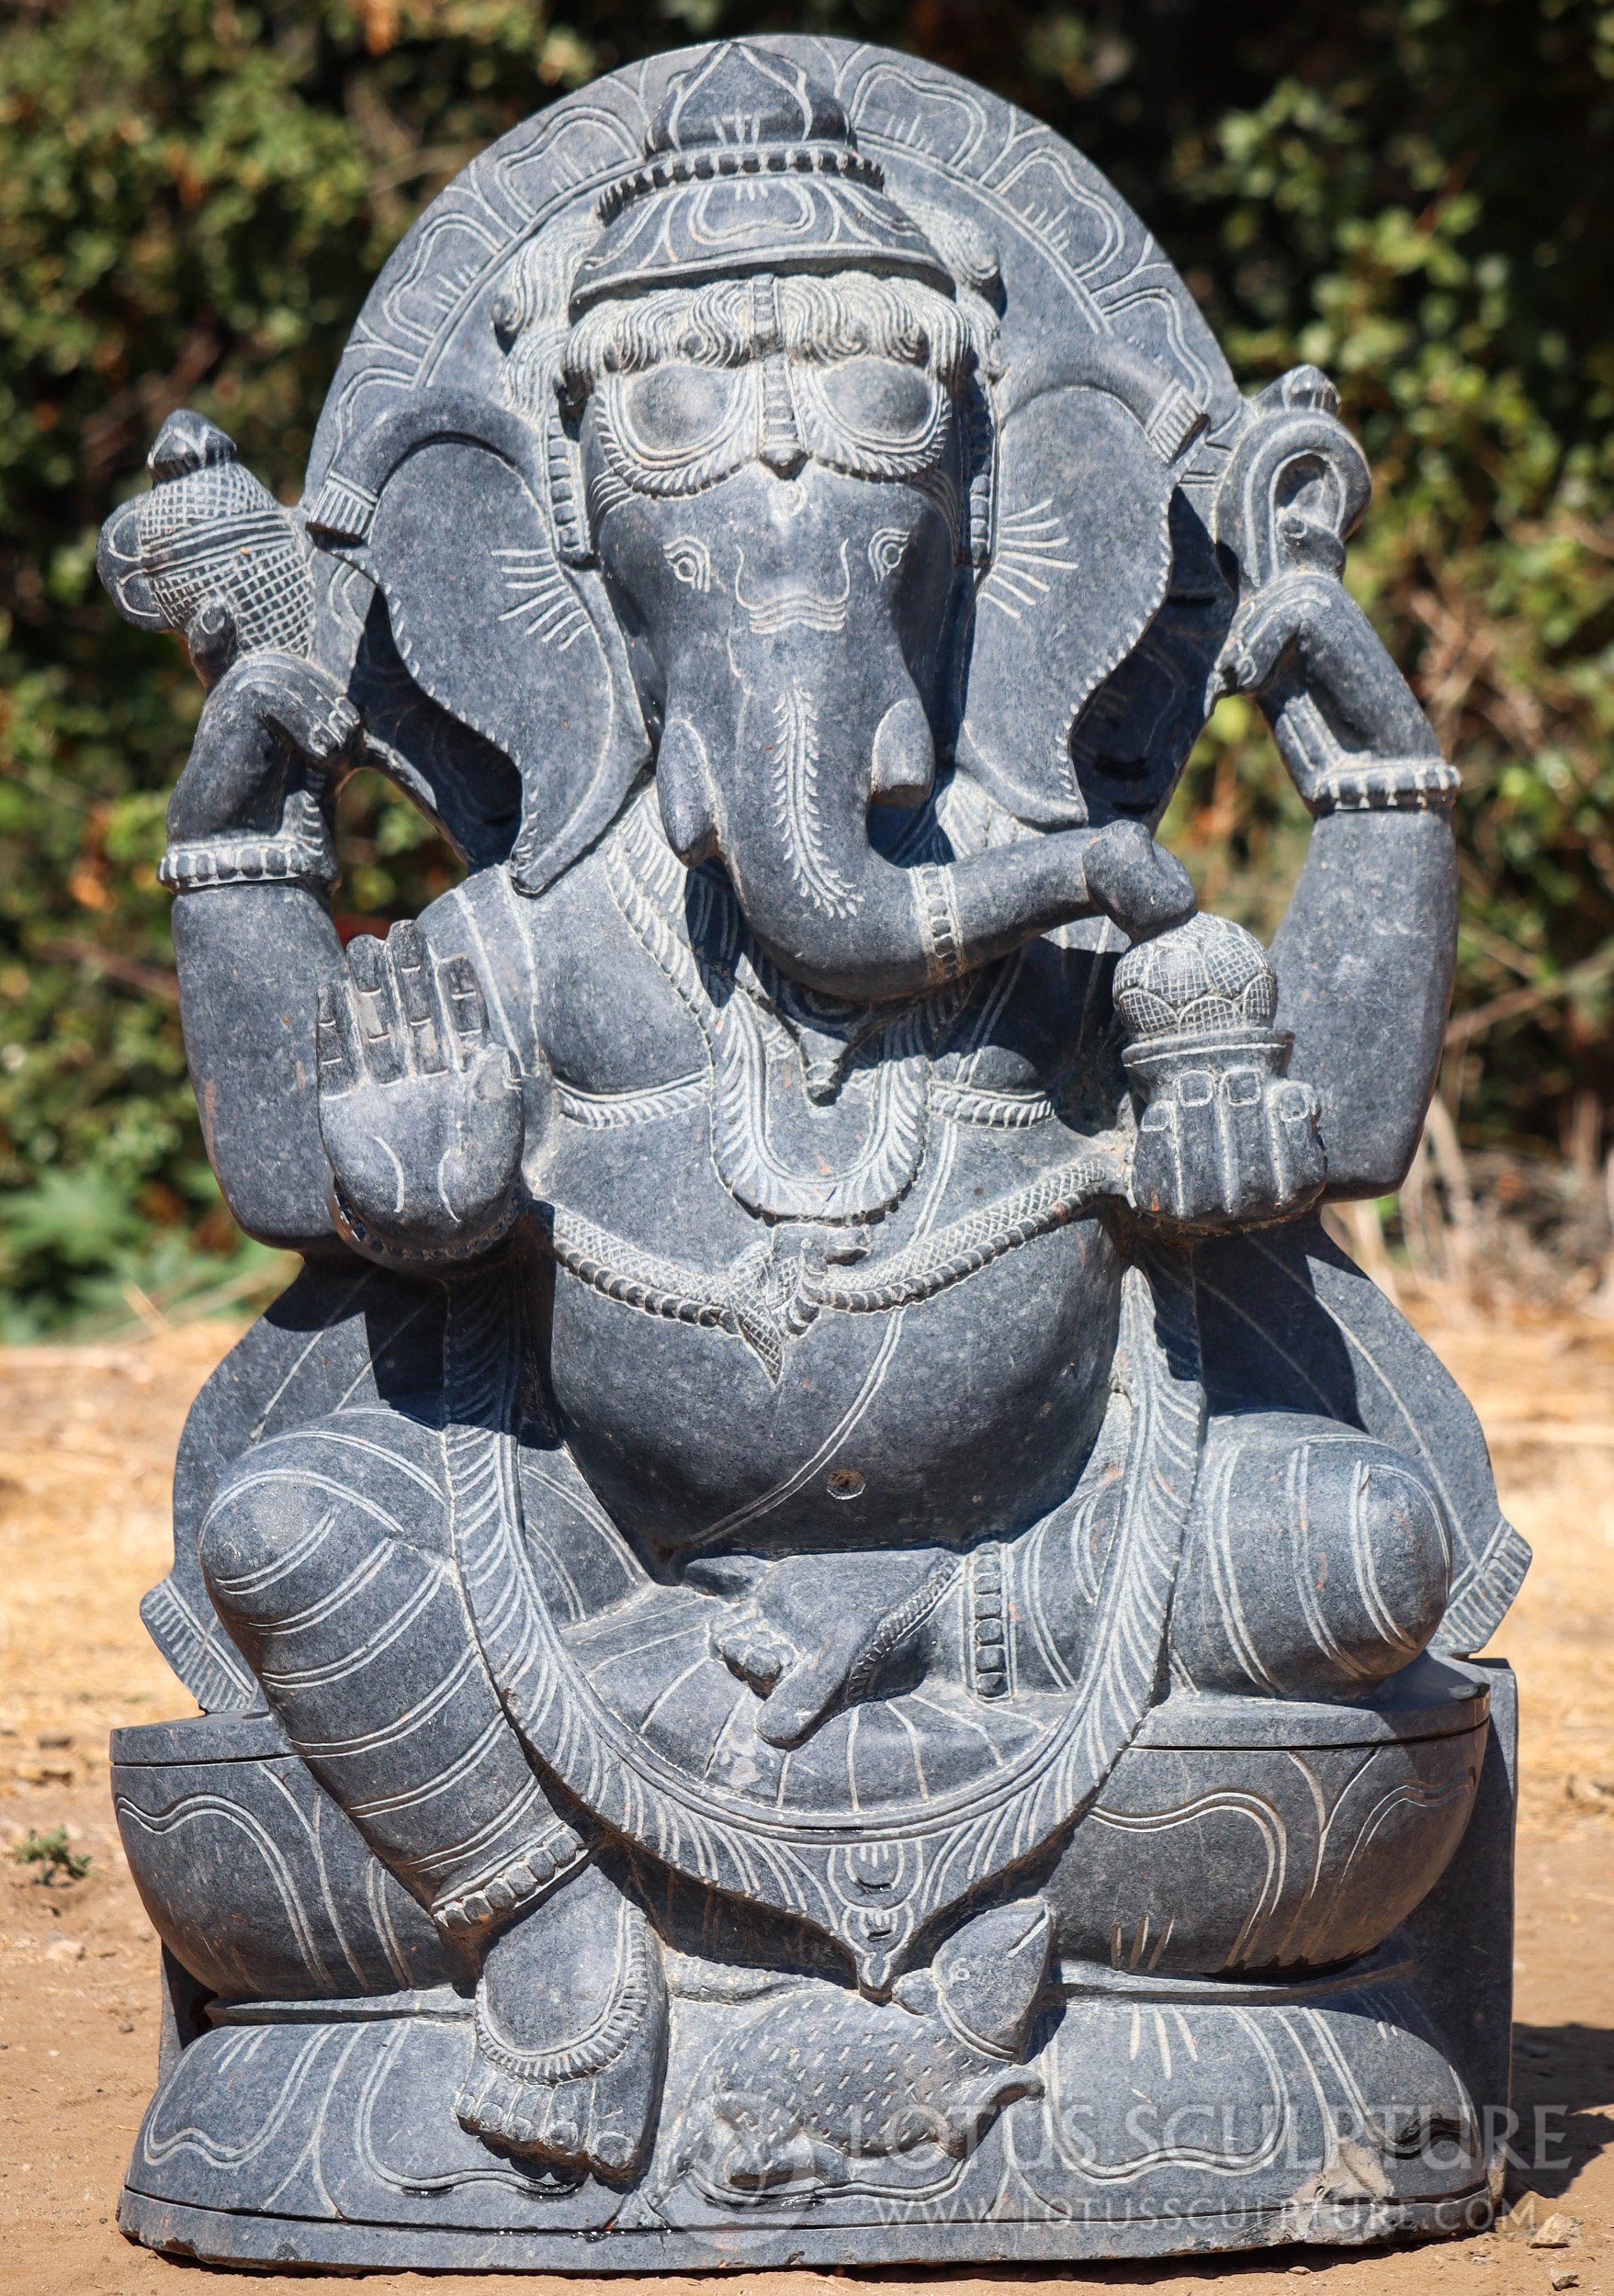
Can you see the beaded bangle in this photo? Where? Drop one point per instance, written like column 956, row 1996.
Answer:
column 249, row 860
column 1390, row 785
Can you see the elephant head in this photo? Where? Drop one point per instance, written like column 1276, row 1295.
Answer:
column 762, row 458
column 777, row 480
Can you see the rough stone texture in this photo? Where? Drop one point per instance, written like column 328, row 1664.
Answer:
column 831, row 1630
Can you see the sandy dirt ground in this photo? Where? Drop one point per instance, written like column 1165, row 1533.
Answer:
column 86, row 1445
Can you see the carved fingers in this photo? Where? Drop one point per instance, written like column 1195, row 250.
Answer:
column 816, row 1631
column 757, row 1653
column 297, row 699
column 796, row 1681
column 1227, row 1146
column 212, row 639
column 1337, row 704
column 401, row 1012
column 419, row 1113
column 274, row 726
column 1287, row 613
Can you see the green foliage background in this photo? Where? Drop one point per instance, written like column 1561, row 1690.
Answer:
column 195, row 194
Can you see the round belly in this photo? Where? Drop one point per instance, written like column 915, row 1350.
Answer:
column 966, row 1415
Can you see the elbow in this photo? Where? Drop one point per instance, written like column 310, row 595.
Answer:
column 1371, row 1159
column 283, row 1219
column 276, row 1193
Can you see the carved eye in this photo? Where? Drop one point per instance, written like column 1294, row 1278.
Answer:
column 674, row 411
column 887, row 544
column 879, row 399
column 691, row 561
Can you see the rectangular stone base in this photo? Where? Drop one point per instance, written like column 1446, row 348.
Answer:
column 1159, row 2115
column 211, row 2237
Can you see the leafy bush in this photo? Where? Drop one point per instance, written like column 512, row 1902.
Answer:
column 195, row 194
column 52, row 1853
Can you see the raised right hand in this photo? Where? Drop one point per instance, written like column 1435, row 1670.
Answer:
column 421, row 1117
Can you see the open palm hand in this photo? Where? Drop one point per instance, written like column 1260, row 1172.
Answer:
column 420, row 1115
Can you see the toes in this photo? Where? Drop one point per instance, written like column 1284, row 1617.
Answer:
column 615, row 2151
column 494, row 2107
column 749, row 1648
column 561, row 2134
column 544, row 2124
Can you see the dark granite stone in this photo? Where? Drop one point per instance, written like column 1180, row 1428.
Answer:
column 829, row 1628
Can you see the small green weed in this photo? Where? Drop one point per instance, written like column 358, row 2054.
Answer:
column 52, row 1855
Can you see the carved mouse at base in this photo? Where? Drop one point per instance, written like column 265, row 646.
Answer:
column 824, row 2082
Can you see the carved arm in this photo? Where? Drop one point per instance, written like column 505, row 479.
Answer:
column 398, row 1130
column 210, row 552
column 250, row 859
column 1365, row 954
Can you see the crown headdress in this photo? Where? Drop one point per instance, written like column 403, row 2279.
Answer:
column 750, row 165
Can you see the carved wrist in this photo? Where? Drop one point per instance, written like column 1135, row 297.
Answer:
column 940, row 926
column 1386, row 786
column 301, row 851
column 248, row 861
column 1334, row 779
column 512, row 1884
column 354, row 1228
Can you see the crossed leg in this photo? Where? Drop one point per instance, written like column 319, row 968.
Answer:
column 1317, row 1561
column 327, row 1554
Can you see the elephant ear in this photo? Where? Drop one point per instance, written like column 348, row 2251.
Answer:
column 444, row 505
column 1086, row 449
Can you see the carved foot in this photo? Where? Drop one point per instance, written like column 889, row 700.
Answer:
column 570, row 2033
column 818, row 1632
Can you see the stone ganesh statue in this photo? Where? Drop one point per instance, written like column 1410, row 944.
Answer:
column 825, row 1582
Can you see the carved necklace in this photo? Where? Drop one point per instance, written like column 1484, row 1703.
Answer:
column 818, row 1112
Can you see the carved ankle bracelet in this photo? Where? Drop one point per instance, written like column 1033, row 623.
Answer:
column 511, row 1887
